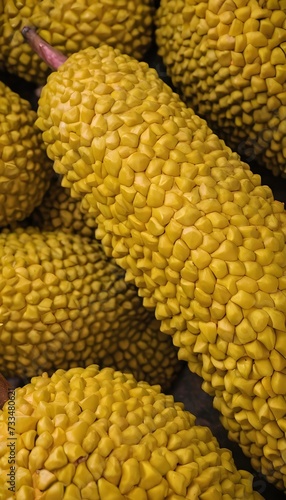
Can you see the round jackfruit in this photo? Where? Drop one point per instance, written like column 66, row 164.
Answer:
column 72, row 25
column 227, row 59
column 193, row 227
column 65, row 304
column 25, row 169
column 98, row 434
column 59, row 210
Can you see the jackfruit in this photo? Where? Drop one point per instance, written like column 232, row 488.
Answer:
column 65, row 304
column 69, row 26
column 190, row 223
column 25, row 169
column 59, row 210
column 100, row 435
column 227, row 60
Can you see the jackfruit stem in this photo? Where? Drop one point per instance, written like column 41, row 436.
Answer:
column 52, row 57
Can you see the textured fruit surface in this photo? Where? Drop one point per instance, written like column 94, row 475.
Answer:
column 64, row 303
column 227, row 58
column 194, row 228
column 59, row 210
column 100, row 435
column 25, row 169
column 69, row 26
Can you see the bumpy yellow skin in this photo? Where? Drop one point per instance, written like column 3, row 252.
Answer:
column 25, row 169
column 65, row 304
column 98, row 434
column 196, row 232
column 59, row 210
column 227, row 59
column 70, row 26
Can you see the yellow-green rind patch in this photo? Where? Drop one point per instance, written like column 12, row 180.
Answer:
column 227, row 59
column 25, row 169
column 59, row 210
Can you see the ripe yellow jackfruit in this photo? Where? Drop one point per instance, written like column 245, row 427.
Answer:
column 59, row 210
column 25, row 169
column 72, row 25
column 196, row 231
column 227, row 59
column 99, row 435
column 63, row 303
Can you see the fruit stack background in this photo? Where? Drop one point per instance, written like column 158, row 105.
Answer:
column 187, row 388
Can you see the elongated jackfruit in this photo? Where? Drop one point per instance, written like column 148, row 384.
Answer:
column 99, row 435
column 227, row 59
column 65, row 304
column 59, row 210
column 25, row 169
column 196, row 231
column 70, row 26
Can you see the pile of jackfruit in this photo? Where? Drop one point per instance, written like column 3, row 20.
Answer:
column 134, row 240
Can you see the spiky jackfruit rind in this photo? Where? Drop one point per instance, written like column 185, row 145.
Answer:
column 227, row 59
column 98, row 434
column 65, row 304
column 58, row 210
column 194, row 228
column 25, row 169
column 71, row 26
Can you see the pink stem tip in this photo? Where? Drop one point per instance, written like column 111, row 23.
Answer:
column 52, row 57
